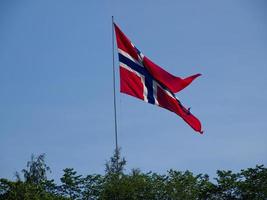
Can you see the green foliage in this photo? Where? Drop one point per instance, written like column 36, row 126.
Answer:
column 248, row 184
column 116, row 164
column 133, row 186
column 252, row 183
column 71, row 184
column 92, row 186
column 35, row 185
column 184, row 185
column 36, row 170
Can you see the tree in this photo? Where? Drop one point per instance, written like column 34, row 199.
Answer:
column 116, row 164
column 248, row 184
column 92, row 187
column 71, row 184
column 253, row 183
column 36, row 171
column 184, row 185
column 113, row 177
column 35, row 184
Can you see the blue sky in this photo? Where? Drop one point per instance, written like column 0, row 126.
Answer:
column 56, row 84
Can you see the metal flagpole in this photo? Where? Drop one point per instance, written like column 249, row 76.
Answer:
column 114, row 88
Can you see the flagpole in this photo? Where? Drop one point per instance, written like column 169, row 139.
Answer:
column 114, row 90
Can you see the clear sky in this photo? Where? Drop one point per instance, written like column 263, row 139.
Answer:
column 56, row 84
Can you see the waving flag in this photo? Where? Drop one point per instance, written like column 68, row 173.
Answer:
column 143, row 79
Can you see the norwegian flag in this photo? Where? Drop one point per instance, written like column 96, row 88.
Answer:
column 143, row 79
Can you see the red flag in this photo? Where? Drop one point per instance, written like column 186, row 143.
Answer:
column 143, row 79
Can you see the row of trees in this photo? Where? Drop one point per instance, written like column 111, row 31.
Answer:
column 33, row 184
